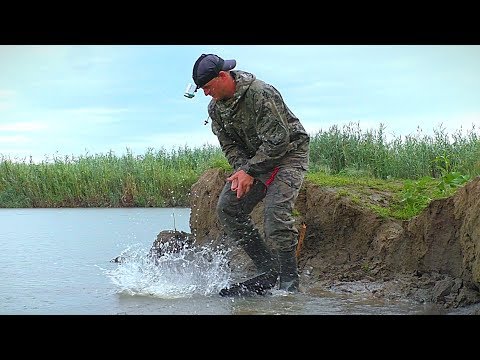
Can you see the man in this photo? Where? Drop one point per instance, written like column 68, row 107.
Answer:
column 268, row 148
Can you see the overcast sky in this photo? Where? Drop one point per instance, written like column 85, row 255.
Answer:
column 80, row 99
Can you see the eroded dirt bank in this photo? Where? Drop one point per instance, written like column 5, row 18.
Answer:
column 432, row 258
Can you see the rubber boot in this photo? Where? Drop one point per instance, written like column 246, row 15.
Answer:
column 261, row 255
column 289, row 279
column 265, row 263
column 259, row 285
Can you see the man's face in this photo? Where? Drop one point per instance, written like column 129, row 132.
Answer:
column 214, row 88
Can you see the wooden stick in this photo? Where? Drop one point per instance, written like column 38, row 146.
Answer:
column 301, row 236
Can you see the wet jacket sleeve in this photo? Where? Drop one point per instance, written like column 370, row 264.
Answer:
column 272, row 129
column 234, row 154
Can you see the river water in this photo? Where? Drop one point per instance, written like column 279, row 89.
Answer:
column 58, row 261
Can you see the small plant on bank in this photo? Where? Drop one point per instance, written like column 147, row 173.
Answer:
column 415, row 196
column 450, row 180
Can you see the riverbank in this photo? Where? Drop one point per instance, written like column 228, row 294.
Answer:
column 431, row 258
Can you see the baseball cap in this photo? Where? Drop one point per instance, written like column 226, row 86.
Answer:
column 208, row 66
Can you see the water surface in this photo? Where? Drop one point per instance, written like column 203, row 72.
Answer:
column 57, row 261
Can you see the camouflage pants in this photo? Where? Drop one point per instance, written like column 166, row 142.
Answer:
column 279, row 224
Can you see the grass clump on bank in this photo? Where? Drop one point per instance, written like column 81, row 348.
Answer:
column 398, row 199
column 413, row 169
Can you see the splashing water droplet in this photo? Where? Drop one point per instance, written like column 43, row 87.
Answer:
column 184, row 273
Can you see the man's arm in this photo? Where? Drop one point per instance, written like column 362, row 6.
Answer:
column 235, row 156
column 272, row 129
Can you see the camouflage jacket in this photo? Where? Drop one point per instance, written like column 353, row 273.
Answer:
column 256, row 130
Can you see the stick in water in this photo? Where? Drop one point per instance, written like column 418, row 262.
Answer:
column 174, row 226
column 301, row 236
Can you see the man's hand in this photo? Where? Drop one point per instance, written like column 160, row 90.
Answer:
column 241, row 183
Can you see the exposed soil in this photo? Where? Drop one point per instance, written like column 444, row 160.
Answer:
column 432, row 258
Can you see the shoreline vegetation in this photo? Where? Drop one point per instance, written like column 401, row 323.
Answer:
column 415, row 169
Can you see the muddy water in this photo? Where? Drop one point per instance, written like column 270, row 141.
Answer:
column 274, row 304
column 57, row 261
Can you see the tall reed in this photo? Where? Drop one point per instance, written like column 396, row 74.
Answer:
column 154, row 179
column 161, row 178
column 350, row 149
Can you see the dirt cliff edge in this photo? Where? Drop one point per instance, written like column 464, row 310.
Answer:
column 434, row 257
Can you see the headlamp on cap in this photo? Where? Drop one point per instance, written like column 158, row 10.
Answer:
column 206, row 68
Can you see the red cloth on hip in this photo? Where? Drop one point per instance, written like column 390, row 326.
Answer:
column 272, row 177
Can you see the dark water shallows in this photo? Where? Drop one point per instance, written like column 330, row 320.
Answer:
column 57, row 261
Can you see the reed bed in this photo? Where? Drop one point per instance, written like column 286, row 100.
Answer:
column 154, row 179
column 352, row 150
column 161, row 178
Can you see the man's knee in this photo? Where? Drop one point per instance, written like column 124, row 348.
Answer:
column 278, row 218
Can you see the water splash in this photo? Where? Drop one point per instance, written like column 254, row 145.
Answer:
column 176, row 274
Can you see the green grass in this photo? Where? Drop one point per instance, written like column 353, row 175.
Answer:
column 406, row 172
column 398, row 199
